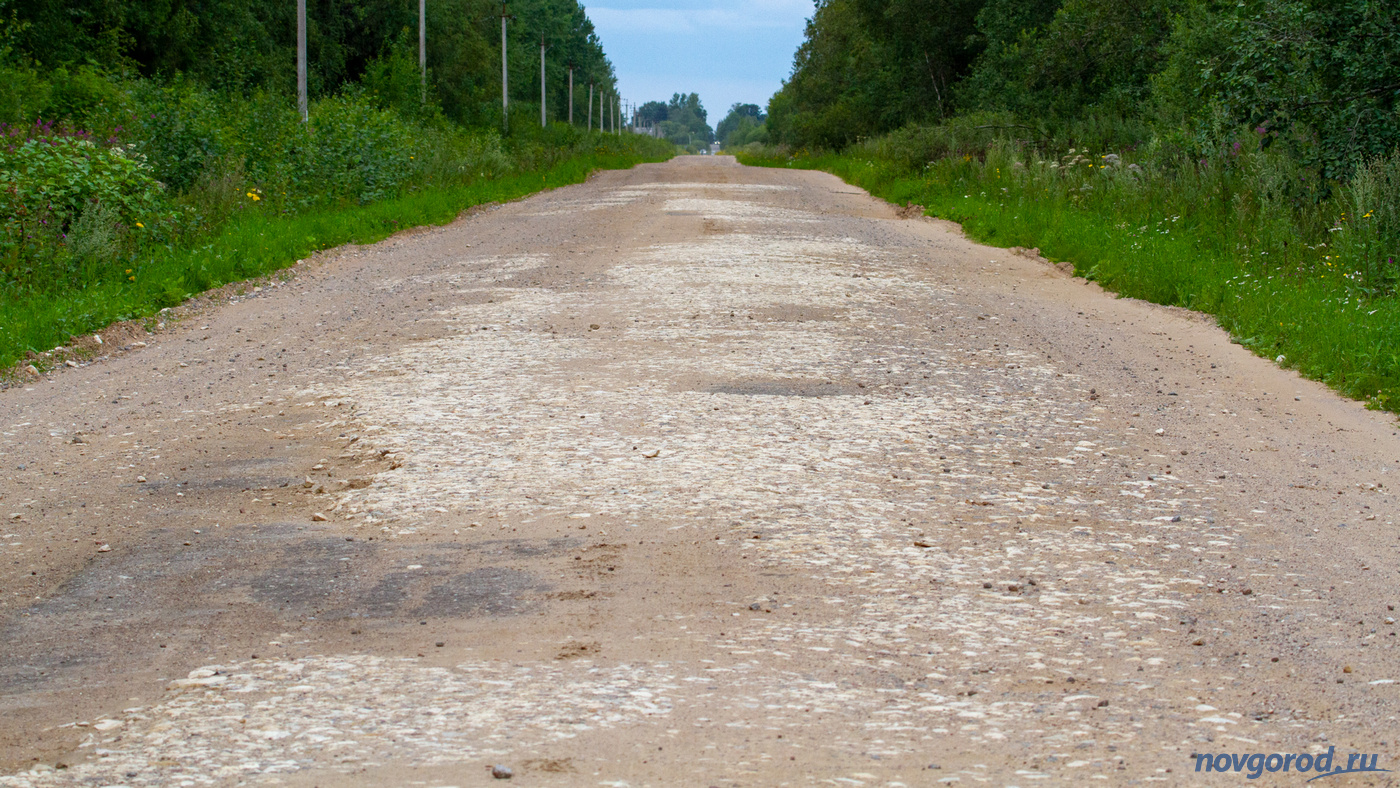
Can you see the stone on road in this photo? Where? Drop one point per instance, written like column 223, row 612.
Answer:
column 693, row 474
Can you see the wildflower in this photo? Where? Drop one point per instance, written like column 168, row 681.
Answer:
column 132, row 278
column 253, row 197
column 142, row 226
column 128, row 270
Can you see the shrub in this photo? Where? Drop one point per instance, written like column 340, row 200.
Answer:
column 177, row 128
column 1368, row 236
column 357, row 151
column 48, row 183
column 351, row 150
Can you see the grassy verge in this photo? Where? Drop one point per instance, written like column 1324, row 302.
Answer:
column 1313, row 318
column 256, row 243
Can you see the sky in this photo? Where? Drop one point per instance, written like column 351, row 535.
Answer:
column 728, row 51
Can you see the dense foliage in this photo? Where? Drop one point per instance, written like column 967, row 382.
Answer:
column 682, row 121
column 744, row 124
column 52, row 52
column 1320, row 76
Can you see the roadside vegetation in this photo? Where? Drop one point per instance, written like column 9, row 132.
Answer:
column 681, row 121
column 1235, row 158
column 137, row 170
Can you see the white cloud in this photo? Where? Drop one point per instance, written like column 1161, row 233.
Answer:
column 726, row 50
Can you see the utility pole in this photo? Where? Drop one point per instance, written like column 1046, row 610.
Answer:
column 590, row 105
column 571, row 93
column 505, row 74
column 602, row 117
column 423, row 51
column 301, row 60
column 543, row 122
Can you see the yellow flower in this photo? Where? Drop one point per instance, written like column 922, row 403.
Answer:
column 253, row 197
column 132, row 278
column 142, row 226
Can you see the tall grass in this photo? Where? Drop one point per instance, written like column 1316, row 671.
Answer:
column 1310, row 283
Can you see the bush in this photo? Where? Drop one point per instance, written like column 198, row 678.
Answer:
column 178, row 128
column 48, row 182
column 969, row 135
column 355, row 151
column 23, row 93
column 1368, row 236
column 351, row 150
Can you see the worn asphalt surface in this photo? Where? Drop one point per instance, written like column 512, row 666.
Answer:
column 693, row 474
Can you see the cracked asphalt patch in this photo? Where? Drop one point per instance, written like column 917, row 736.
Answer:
column 690, row 475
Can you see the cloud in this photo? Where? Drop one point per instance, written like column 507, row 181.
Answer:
column 726, row 50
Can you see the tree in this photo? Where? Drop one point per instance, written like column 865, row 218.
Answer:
column 740, row 125
column 685, row 121
column 835, row 91
column 651, row 113
column 924, row 46
column 250, row 45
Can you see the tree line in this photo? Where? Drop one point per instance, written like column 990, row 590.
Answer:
column 52, row 50
column 1319, row 76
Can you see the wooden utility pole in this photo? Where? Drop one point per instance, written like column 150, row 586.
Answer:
column 423, row 51
column 543, row 122
column 590, row 105
column 571, row 94
column 505, row 75
column 301, row 61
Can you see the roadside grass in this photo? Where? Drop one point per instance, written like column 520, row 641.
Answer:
column 1167, row 243
column 254, row 243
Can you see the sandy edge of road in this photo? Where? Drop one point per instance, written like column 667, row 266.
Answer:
column 129, row 336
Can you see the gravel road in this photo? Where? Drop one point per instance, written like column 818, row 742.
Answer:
column 693, row 474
